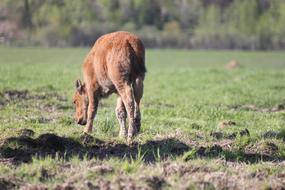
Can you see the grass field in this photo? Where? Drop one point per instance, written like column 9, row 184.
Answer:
column 203, row 126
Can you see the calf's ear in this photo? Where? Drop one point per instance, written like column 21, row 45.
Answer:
column 80, row 87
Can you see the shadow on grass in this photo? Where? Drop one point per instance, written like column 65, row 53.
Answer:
column 21, row 149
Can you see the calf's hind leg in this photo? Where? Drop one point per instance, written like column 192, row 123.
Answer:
column 121, row 116
column 138, row 92
column 127, row 95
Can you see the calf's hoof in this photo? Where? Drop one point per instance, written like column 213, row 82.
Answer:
column 138, row 128
column 130, row 140
column 87, row 130
column 137, row 125
column 123, row 133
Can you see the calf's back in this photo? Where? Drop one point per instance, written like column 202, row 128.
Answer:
column 118, row 54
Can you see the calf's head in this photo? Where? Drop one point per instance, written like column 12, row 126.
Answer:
column 80, row 100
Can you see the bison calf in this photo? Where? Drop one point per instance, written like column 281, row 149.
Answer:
column 115, row 64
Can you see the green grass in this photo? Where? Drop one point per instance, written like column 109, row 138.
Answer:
column 187, row 94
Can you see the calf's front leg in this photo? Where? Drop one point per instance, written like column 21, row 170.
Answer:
column 91, row 111
column 121, row 116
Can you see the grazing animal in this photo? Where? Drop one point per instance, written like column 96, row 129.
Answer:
column 115, row 64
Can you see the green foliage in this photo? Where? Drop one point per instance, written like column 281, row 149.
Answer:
column 107, row 126
column 242, row 142
column 240, row 24
column 134, row 163
column 189, row 155
column 248, row 16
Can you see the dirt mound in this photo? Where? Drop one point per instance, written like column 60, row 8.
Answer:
column 33, row 187
column 89, row 140
column 217, row 135
column 211, row 151
column 121, row 182
column 15, row 95
column 26, row 132
column 233, row 64
column 167, row 146
column 224, row 124
column 244, row 132
column 48, row 105
column 274, row 134
column 51, row 141
column 7, row 184
column 155, row 182
column 12, row 95
column 182, row 169
column 22, row 148
column 233, row 135
column 265, row 148
column 102, row 169
column 270, row 134
column 66, row 186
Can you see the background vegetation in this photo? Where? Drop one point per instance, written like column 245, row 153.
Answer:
column 233, row 24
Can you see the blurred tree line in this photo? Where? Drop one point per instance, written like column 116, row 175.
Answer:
column 223, row 24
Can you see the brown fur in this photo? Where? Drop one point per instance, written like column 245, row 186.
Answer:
column 115, row 64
